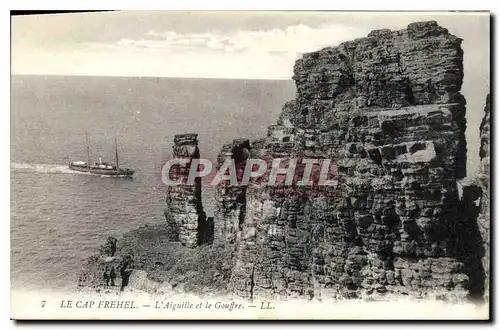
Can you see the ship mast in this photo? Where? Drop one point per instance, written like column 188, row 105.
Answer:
column 116, row 151
column 88, row 150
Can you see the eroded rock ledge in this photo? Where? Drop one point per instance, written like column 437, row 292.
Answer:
column 387, row 110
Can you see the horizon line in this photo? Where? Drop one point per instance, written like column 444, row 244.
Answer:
column 158, row 77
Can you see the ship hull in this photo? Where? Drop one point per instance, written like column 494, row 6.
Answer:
column 101, row 171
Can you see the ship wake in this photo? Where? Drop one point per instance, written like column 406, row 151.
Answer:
column 44, row 168
column 54, row 169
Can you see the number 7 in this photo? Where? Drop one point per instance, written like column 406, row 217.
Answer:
column 43, row 303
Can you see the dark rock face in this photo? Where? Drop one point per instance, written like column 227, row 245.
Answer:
column 484, row 131
column 109, row 248
column 231, row 200
column 386, row 109
column 184, row 212
column 483, row 180
column 474, row 247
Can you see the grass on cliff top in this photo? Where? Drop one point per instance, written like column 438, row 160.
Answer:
column 199, row 270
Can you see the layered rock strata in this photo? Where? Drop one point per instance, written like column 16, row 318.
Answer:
column 184, row 211
column 387, row 111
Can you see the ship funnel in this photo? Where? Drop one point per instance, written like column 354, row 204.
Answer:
column 100, row 160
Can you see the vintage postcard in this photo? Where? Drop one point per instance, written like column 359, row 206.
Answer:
column 250, row 165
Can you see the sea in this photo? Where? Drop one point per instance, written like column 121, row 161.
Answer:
column 60, row 217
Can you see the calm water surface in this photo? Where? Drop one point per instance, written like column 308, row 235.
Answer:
column 60, row 217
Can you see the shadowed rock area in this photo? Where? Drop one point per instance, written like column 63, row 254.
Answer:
column 387, row 111
column 483, row 179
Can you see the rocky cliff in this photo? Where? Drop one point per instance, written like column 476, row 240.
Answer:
column 387, row 110
column 483, row 180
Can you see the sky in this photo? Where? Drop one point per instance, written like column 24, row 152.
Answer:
column 251, row 45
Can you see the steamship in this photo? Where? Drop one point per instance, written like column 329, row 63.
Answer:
column 101, row 168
